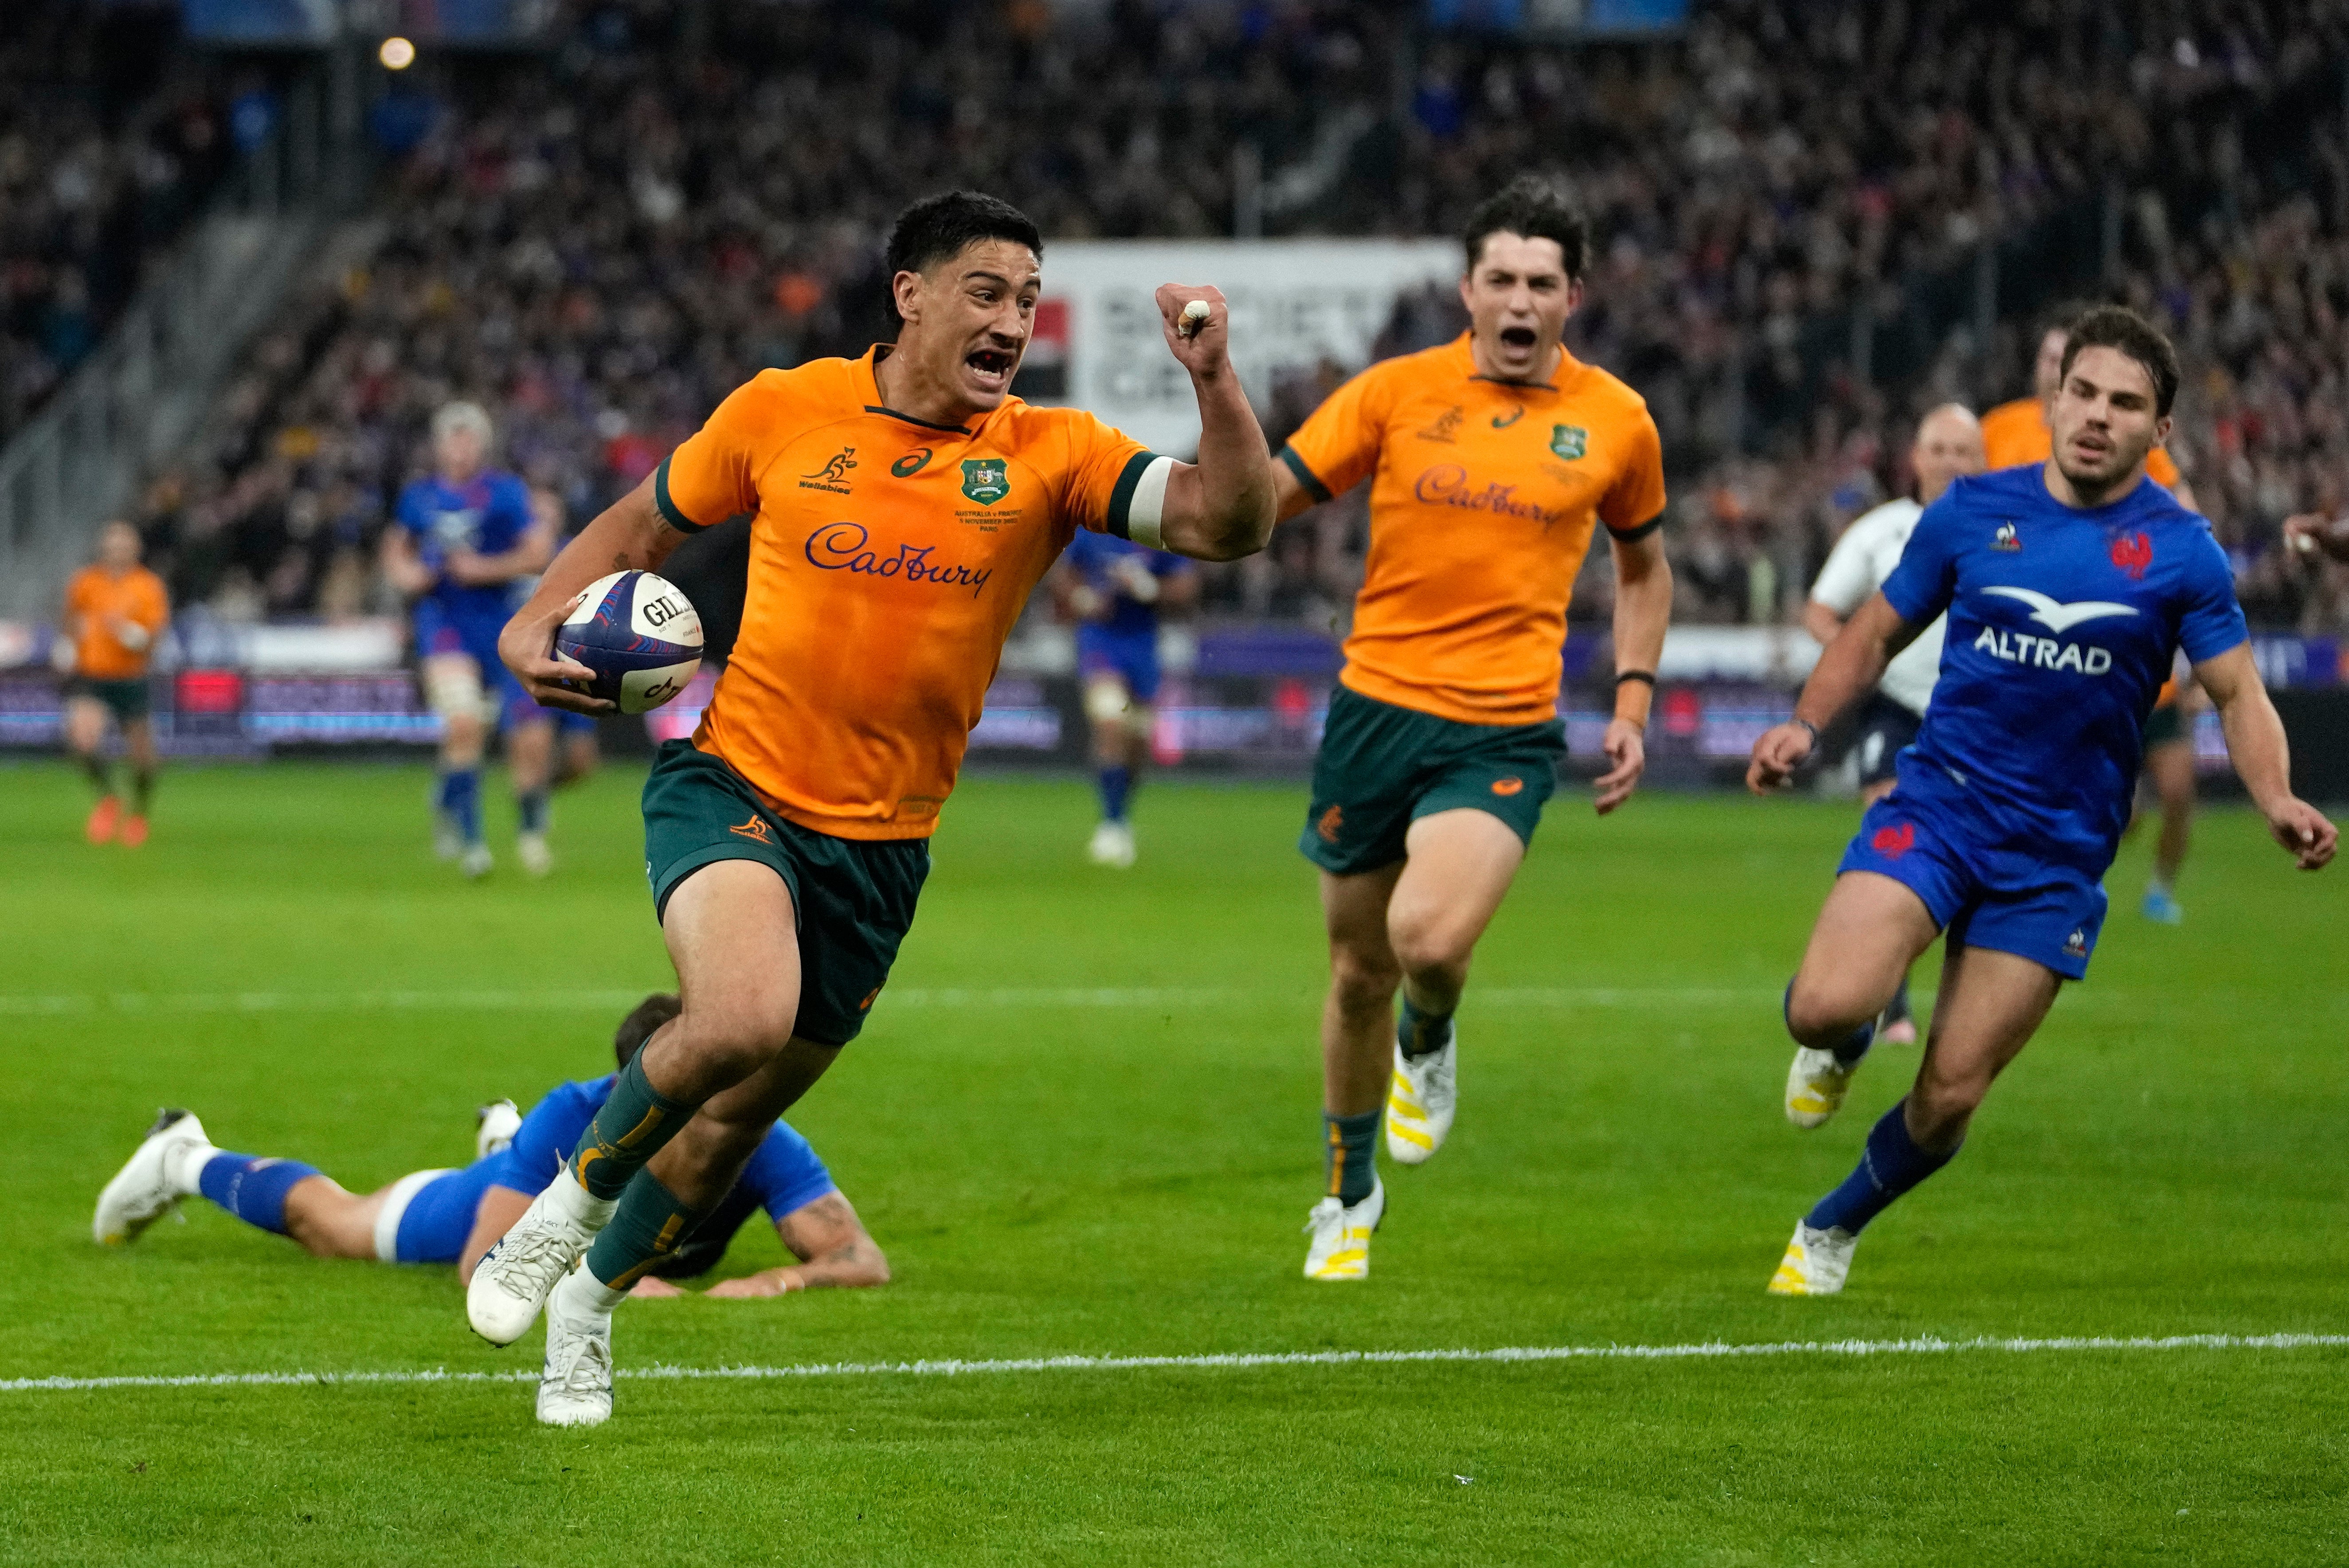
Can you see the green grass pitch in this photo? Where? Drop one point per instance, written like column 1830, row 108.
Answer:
column 1084, row 1123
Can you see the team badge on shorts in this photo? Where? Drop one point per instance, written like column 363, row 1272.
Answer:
column 1569, row 441
column 1332, row 823
column 986, row 480
column 1507, row 787
column 1894, row 840
column 755, row 828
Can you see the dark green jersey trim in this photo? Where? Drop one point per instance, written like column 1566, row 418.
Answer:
column 925, row 424
column 1629, row 535
column 669, row 514
column 1313, row 486
column 1121, row 498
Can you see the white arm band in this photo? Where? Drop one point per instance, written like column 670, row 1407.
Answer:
column 1145, row 516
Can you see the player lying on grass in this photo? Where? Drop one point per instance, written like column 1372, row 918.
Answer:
column 904, row 507
column 2068, row 589
column 456, row 1216
column 1493, row 460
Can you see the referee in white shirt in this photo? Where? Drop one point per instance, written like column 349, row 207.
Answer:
column 1949, row 443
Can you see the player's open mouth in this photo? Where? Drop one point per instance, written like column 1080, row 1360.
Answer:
column 992, row 364
column 1517, row 336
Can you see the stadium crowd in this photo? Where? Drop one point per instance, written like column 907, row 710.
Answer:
column 600, row 246
column 102, row 160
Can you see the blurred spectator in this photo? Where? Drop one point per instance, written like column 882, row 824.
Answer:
column 103, row 156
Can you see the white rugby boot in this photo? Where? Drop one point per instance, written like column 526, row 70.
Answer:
column 1112, row 845
column 515, row 1275
column 494, row 1126
column 531, row 850
column 1815, row 1085
column 152, row 1181
column 1420, row 1102
column 1815, row 1262
column 1340, row 1249
column 575, row 1389
column 476, row 861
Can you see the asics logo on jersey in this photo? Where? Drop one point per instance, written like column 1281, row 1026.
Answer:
column 1449, row 485
column 841, row 547
column 2060, row 617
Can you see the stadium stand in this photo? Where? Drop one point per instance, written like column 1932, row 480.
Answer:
column 1812, row 221
column 105, row 154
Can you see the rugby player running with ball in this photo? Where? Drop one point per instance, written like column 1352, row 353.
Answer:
column 905, row 506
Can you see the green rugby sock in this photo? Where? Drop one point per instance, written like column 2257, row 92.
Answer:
column 648, row 1225
column 1419, row 1033
column 101, row 773
column 1347, row 1140
column 634, row 1123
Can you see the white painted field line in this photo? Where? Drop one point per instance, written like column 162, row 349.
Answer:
column 1137, row 997
column 1237, row 1360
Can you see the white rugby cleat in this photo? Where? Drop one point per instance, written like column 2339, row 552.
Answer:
column 151, row 1181
column 575, row 1389
column 1112, row 845
column 1342, row 1235
column 476, row 861
column 1815, row 1085
column 1420, row 1102
column 1815, row 1262
column 531, row 850
column 515, row 1276
column 494, row 1126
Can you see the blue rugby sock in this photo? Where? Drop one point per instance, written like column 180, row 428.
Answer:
column 1891, row 1164
column 460, row 797
column 1116, row 784
column 1851, row 1049
column 1418, row 1032
column 531, row 805
column 252, row 1189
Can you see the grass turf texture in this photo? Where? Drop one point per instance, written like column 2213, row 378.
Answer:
column 1053, row 1172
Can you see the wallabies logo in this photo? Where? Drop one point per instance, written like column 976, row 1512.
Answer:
column 986, row 480
column 1569, row 441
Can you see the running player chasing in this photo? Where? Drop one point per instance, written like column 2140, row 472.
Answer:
column 2067, row 589
column 114, row 612
column 1114, row 589
column 1492, row 459
column 455, row 1216
column 467, row 538
column 2021, row 431
column 1949, row 443
column 905, row 505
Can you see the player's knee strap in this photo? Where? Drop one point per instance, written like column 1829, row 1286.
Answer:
column 1108, row 702
column 452, row 688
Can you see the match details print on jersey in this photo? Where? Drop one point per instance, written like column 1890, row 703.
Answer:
column 889, row 560
column 1484, row 499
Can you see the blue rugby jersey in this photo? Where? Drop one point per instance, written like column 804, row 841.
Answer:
column 2064, row 621
column 1093, row 554
column 488, row 514
column 783, row 1174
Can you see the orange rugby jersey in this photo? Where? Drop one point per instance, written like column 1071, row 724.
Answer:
column 2016, row 433
column 1483, row 505
column 94, row 600
column 889, row 558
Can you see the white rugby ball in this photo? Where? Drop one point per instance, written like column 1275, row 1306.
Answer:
column 640, row 636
